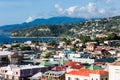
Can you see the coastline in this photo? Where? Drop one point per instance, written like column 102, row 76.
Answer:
column 9, row 39
column 36, row 37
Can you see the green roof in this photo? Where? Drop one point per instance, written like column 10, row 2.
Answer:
column 93, row 67
column 45, row 63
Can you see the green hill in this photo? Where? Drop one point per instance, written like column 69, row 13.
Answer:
column 92, row 27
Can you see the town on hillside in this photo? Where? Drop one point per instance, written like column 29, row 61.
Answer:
column 70, row 58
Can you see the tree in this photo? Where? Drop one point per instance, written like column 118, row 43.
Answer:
column 85, row 39
column 112, row 36
column 52, row 43
column 25, row 48
column 48, row 55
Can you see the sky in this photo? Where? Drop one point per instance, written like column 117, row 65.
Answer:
column 19, row 11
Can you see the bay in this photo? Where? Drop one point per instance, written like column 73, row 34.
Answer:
column 7, row 39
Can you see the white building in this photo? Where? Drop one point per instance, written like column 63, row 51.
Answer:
column 83, row 60
column 74, row 55
column 114, row 71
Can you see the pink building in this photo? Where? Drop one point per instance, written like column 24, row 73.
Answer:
column 101, row 35
column 15, row 72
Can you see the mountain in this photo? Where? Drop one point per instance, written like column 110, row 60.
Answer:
column 90, row 27
column 57, row 20
column 7, row 29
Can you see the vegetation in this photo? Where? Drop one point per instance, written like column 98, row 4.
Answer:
column 23, row 48
column 88, row 28
column 84, row 39
column 48, row 55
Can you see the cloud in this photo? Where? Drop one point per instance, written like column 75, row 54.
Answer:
column 71, row 10
column 108, row 1
column 114, row 12
column 105, row 1
column 58, row 7
column 102, row 11
column 29, row 19
column 91, row 7
column 88, row 11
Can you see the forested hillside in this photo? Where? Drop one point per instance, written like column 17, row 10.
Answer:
column 91, row 27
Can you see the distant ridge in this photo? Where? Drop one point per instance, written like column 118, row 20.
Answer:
column 90, row 27
column 7, row 29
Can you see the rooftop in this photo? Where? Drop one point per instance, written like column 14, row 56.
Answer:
column 87, row 72
column 59, row 68
column 116, row 63
column 22, row 66
column 5, row 53
column 54, row 73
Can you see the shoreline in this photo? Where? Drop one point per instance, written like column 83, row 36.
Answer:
column 36, row 37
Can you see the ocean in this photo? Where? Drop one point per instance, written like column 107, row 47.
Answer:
column 7, row 39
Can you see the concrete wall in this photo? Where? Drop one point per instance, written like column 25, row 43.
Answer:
column 114, row 72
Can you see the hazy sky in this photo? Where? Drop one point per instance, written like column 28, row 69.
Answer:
column 18, row 11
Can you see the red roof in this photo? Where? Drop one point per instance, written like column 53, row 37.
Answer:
column 87, row 72
column 102, row 63
column 74, row 65
column 59, row 68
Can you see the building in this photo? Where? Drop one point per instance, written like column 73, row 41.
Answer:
column 4, row 58
column 54, row 75
column 9, row 57
column 87, row 75
column 114, row 71
column 73, row 55
column 15, row 72
column 73, row 66
column 91, row 47
column 83, row 60
column 59, row 68
column 101, row 35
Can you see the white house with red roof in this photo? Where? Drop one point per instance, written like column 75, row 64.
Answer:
column 87, row 75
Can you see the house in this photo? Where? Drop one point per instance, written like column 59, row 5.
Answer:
column 101, row 35
column 62, row 55
column 114, row 42
column 114, row 71
column 87, row 75
column 73, row 66
column 91, row 47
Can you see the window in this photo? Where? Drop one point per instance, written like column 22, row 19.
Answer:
column 39, row 69
column 69, row 78
column 76, row 78
column 30, row 72
column 5, row 71
column 102, row 79
column 16, row 72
